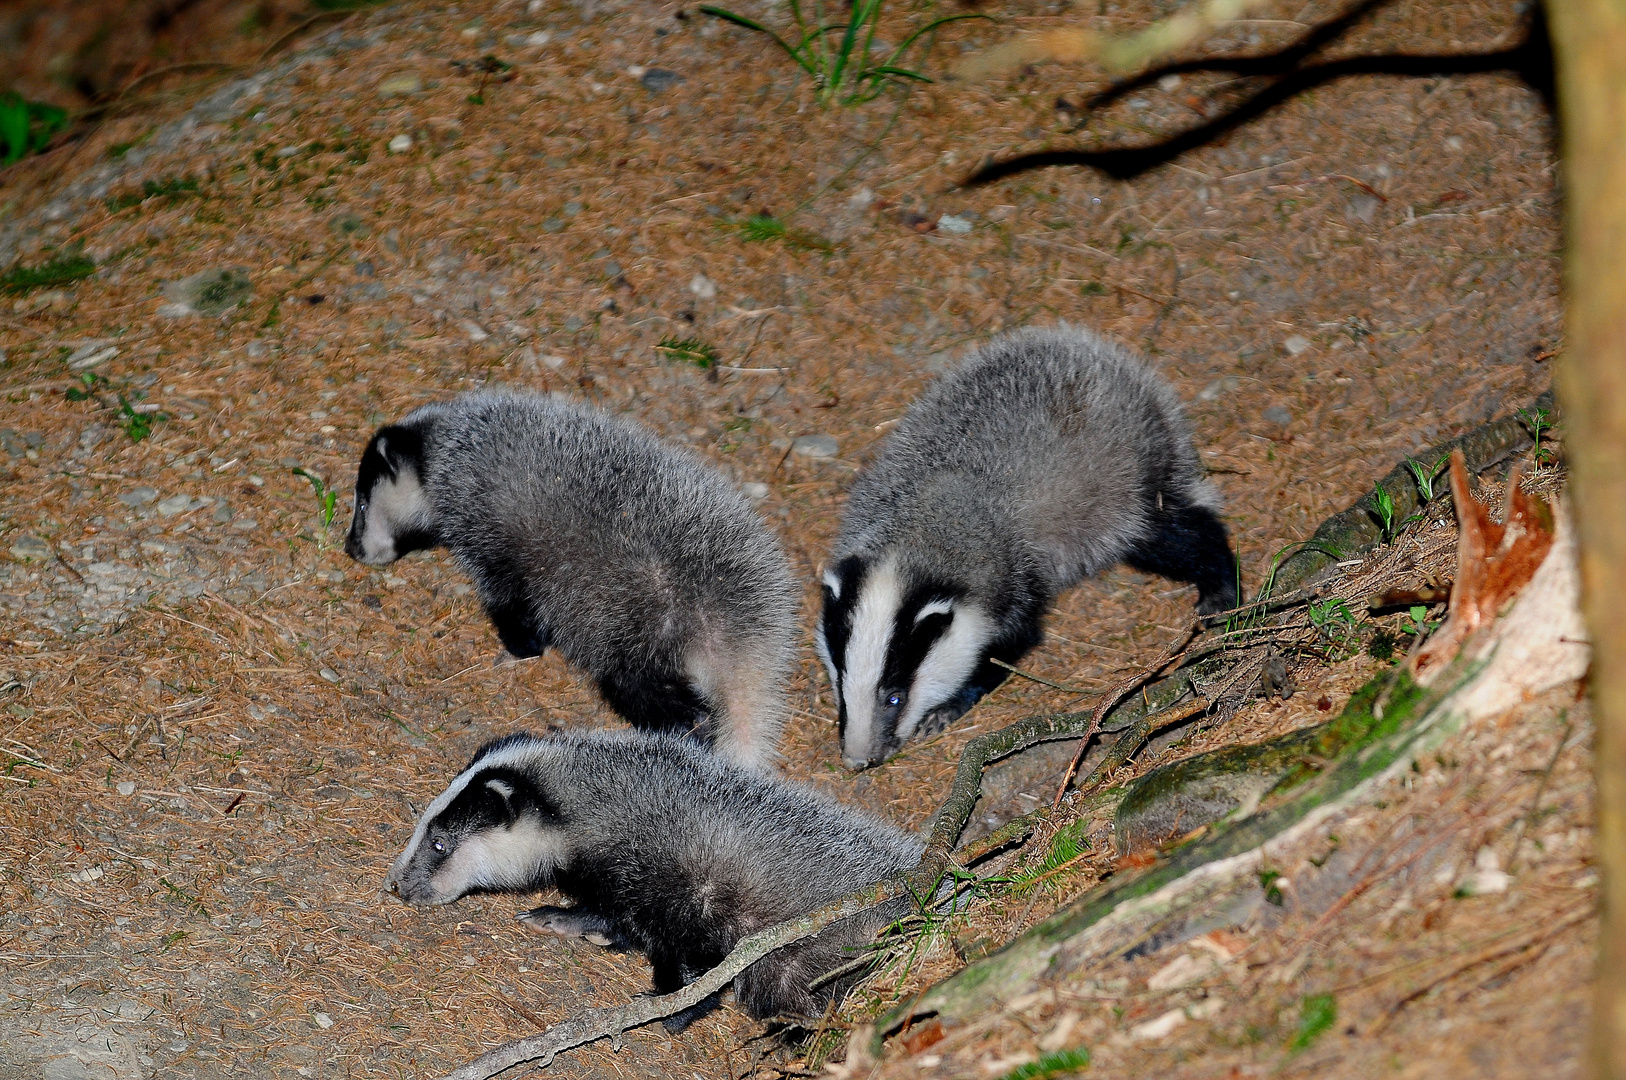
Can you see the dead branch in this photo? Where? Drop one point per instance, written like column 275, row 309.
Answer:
column 1110, row 699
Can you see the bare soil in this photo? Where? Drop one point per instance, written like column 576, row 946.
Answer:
column 220, row 727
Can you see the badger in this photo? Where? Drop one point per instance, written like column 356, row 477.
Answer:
column 585, row 532
column 1046, row 457
column 665, row 849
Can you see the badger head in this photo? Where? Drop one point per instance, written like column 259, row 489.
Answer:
column 492, row 830
column 392, row 510
column 899, row 648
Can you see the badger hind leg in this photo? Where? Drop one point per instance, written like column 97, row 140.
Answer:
column 1189, row 543
column 517, row 629
column 672, row 976
column 573, row 923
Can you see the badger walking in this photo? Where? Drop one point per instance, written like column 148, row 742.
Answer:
column 585, row 532
column 1047, row 457
column 664, row 849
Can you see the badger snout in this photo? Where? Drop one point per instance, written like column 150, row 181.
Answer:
column 855, row 764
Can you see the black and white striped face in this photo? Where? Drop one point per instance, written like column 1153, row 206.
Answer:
column 392, row 511
column 896, row 649
column 492, row 830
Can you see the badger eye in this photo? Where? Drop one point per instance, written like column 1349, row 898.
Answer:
column 439, row 846
column 894, row 700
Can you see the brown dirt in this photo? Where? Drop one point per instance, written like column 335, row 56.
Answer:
column 549, row 237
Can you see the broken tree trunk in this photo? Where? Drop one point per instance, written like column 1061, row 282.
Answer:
column 1589, row 39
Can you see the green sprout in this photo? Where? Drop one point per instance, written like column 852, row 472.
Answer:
column 327, row 500
column 836, row 55
column 1056, row 1063
column 1425, row 476
column 1384, row 508
column 1338, row 624
column 1419, row 625
column 87, row 388
column 137, row 425
column 1538, row 422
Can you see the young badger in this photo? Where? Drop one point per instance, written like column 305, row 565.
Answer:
column 1047, row 457
column 585, row 532
column 665, row 849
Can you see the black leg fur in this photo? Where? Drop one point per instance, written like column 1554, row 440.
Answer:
column 1188, row 543
column 517, row 629
column 658, row 703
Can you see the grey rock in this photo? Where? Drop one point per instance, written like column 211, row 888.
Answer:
column 208, row 292
column 30, row 548
column 1277, row 414
column 1219, row 388
column 138, row 497
column 176, row 504
column 816, row 446
column 656, row 80
column 954, row 225
column 89, row 354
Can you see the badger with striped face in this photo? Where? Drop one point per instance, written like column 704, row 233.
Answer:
column 585, row 533
column 665, row 849
column 1048, row 456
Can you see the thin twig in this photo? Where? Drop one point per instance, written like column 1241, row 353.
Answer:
column 1036, row 678
column 1541, row 788
column 1110, row 700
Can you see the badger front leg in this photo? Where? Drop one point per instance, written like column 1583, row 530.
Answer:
column 573, row 923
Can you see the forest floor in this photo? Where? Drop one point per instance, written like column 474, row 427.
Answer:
column 218, row 729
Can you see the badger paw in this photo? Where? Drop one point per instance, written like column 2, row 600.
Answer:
column 570, row 923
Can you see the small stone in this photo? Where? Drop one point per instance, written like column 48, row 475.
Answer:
column 555, row 361
column 30, row 548
column 323, row 1020
column 329, row 674
column 861, row 198
column 401, row 143
column 538, row 39
column 1487, row 877
column 703, row 287
column 222, row 513
column 475, row 331
column 399, row 85
column 84, row 877
column 1361, row 209
column 953, row 224
column 175, row 504
column 138, row 497
column 289, row 151
column 1219, row 388
column 815, row 446
column 754, row 491
column 572, row 208
column 1454, row 143
column 553, row 225
column 1169, row 83
column 655, row 80
column 126, row 787
column 91, row 354
column 208, row 292
column 1276, row 414
column 1160, row 1027
column 1296, row 344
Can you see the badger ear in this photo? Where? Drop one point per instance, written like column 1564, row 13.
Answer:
column 505, row 792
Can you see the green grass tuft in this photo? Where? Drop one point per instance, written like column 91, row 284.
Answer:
column 689, row 350
column 1069, row 843
column 764, row 228
column 1318, row 1013
column 26, row 126
column 62, row 270
column 1059, row 1063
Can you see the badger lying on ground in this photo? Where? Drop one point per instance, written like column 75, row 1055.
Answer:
column 664, row 849
column 586, row 532
column 1049, row 456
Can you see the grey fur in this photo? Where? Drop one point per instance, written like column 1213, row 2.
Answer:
column 1048, row 456
column 584, row 531
column 665, row 849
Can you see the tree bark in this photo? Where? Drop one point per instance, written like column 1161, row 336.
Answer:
column 1589, row 40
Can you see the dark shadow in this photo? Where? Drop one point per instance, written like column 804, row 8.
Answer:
column 1531, row 59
